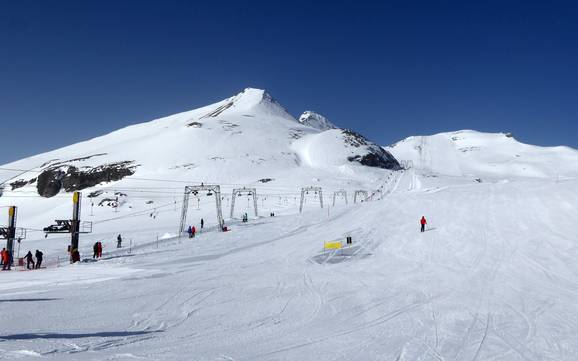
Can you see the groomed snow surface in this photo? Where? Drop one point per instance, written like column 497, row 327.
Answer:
column 494, row 277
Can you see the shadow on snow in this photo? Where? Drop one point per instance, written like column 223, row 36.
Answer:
column 31, row 336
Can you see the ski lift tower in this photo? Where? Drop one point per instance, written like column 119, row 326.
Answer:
column 196, row 190
column 360, row 192
column 305, row 191
column 340, row 193
column 238, row 192
column 11, row 232
column 73, row 226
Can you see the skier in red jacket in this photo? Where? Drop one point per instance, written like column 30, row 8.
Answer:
column 423, row 223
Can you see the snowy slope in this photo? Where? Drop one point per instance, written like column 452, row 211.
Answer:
column 246, row 140
column 494, row 278
column 485, row 155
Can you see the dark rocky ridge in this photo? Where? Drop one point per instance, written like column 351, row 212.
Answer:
column 376, row 155
column 70, row 178
column 21, row 183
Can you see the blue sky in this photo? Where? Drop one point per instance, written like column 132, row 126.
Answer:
column 72, row 70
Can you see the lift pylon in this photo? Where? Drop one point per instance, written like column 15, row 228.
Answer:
column 211, row 189
column 340, row 193
column 237, row 192
column 73, row 226
column 11, row 233
column 306, row 190
column 360, row 192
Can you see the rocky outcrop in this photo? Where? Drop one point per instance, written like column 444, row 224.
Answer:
column 375, row 156
column 21, row 183
column 317, row 121
column 70, row 178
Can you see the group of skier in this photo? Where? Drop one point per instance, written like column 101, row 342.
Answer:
column 30, row 260
column 6, row 259
column 97, row 250
column 192, row 230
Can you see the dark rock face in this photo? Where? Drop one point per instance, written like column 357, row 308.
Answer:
column 354, row 139
column 376, row 155
column 95, row 194
column 70, row 178
column 50, row 182
column 21, row 183
column 379, row 159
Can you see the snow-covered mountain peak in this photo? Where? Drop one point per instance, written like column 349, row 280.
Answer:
column 316, row 121
column 241, row 139
column 249, row 102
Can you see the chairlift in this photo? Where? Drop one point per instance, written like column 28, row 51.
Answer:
column 209, row 194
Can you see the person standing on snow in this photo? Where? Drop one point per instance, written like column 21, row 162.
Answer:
column 190, row 232
column 99, row 250
column 29, row 260
column 202, row 223
column 95, row 250
column 38, row 259
column 423, row 222
column 193, row 231
column 2, row 256
column 6, row 260
column 119, row 241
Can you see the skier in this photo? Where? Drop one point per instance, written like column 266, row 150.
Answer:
column 6, row 260
column 193, row 231
column 95, row 250
column 202, row 223
column 190, row 232
column 423, row 222
column 2, row 256
column 29, row 260
column 38, row 259
column 119, row 241
column 99, row 250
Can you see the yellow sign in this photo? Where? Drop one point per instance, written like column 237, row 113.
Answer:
column 11, row 211
column 75, row 197
column 332, row 245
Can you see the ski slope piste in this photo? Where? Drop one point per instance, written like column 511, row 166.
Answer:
column 493, row 277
